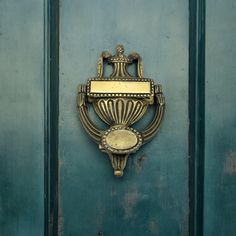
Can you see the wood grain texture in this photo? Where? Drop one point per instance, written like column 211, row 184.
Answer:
column 152, row 196
column 220, row 171
column 22, row 118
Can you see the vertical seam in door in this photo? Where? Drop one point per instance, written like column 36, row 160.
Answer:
column 46, row 121
column 51, row 111
column 196, row 115
column 192, row 95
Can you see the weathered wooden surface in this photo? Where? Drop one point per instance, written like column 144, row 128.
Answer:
column 22, row 115
column 152, row 197
column 220, row 159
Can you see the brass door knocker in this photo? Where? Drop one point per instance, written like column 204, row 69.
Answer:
column 120, row 100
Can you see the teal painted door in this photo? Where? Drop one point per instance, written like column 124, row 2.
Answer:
column 153, row 193
column 22, row 118
column 53, row 178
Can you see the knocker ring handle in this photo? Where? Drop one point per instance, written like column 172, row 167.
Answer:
column 120, row 100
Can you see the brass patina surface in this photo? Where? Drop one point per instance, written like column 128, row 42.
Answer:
column 120, row 100
column 121, row 139
column 143, row 87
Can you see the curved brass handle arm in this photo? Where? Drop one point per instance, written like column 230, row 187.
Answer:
column 148, row 133
column 104, row 56
column 136, row 57
column 90, row 128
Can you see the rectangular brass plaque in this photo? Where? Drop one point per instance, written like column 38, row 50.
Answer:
column 133, row 87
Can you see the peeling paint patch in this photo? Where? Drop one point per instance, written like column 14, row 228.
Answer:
column 129, row 202
column 139, row 163
column 153, row 226
column 60, row 213
column 230, row 163
column 113, row 193
column 100, row 215
column 60, row 222
column 100, row 233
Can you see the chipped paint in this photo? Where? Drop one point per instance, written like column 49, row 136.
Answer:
column 230, row 163
column 153, row 226
column 139, row 163
column 60, row 213
column 129, row 202
column 113, row 193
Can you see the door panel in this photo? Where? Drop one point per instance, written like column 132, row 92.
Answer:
column 152, row 196
column 22, row 118
column 220, row 161
column 181, row 183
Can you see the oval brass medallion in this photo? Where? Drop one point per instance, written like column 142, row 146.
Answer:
column 121, row 139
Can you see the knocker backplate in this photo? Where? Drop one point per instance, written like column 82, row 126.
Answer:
column 120, row 100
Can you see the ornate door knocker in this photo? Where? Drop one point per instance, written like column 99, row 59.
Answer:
column 120, row 100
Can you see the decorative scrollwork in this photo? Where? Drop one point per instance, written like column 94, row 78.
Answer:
column 120, row 100
column 152, row 129
column 90, row 128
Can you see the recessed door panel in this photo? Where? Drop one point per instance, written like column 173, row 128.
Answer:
column 22, row 118
column 152, row 196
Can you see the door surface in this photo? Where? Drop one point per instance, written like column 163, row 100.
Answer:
column 55, row 181
column 153, row 193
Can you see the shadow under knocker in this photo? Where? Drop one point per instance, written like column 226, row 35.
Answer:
column 120, row 100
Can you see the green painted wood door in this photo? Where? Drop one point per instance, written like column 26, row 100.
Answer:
column 53, row 178
column 153, row 193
